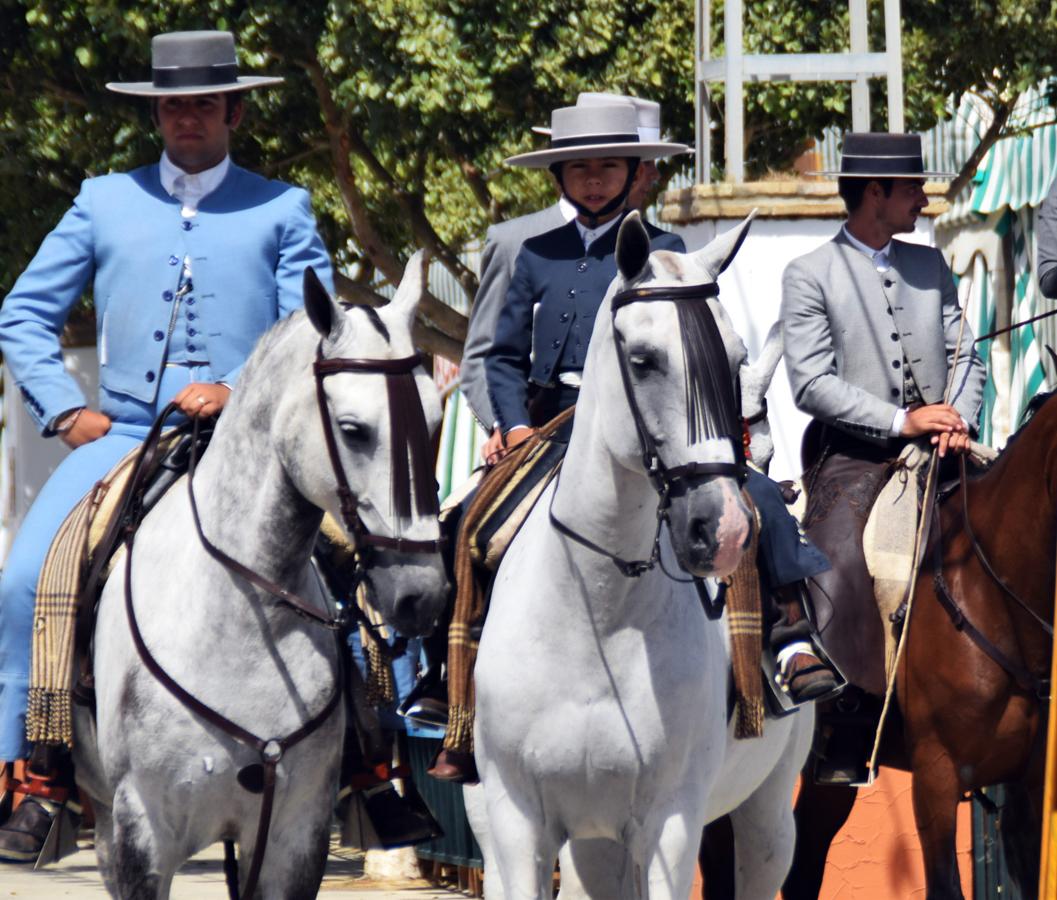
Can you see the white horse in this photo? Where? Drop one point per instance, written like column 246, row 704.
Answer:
column 601, row 698
column 165, row 782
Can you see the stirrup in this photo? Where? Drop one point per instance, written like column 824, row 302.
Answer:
column 62, row 836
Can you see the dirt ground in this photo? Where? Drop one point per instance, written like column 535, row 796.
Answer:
column 202, row 878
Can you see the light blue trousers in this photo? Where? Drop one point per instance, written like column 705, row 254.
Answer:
column 74, row 477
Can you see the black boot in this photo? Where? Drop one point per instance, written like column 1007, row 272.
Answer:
column 46, row 792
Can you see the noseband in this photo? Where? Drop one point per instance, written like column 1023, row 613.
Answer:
column 662, row 476
column 409, row 436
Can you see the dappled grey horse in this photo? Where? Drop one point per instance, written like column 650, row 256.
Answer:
column 601, row 685
column 318, row 422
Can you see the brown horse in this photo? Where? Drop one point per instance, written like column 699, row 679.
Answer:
column 971, row 683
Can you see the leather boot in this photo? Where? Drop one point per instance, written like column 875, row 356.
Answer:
column 804, row 673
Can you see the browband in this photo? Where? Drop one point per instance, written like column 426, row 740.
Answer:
column 402, row 366
column 672, row 292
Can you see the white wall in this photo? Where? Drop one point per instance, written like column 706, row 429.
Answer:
column 27, row 459
column 751, row 291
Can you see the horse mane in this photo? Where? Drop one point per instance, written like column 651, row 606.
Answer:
column 1035, row 404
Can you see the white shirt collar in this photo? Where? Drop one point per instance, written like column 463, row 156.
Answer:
column 191, row 188
column 880, row 258
column 567, row 210
column 590, row 235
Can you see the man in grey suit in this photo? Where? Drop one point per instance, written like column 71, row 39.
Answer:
column 504, row 240
column 871, row 329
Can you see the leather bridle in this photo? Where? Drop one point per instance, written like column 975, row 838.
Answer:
column 410, row 438
column 662, row 476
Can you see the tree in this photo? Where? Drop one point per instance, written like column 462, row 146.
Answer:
column 397, row 114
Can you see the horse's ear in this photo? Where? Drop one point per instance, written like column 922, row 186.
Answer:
column 412, row 285
column 633, row 246
column 716, row 255
column 322, row 311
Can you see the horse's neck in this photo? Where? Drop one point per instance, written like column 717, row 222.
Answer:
column 247, row 504
column 604, row 502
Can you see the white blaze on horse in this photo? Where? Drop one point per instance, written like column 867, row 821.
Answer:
column 602, row 695
column 163, row 779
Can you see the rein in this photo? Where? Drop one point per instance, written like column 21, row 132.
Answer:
column 410, row 438
column 661, row 476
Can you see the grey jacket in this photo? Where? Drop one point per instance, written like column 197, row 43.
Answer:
column 501, row 248
column 848, row 327
column 1046, row 243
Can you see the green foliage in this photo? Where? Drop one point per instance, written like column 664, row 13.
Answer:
column 431, row 95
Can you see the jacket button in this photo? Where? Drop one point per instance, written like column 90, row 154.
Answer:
column 192, row 316
column 191, row 347
column 150, row 376
column 564, row 317
column 159, row 335
column 888, row 283
column 555, row 345
column 895, row 337
column 896, row 364
column 191, row 332
column 890, row 310
column 173, row 260
column 572, row 293
column 186, row 226
column 166, row 296
column 582, row 267
column 190, row 301
column 895, row 392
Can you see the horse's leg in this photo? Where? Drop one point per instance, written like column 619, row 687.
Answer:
column 523, row 848
column 936, row 793
column 296, row 855
column 820, row 812
column 670, row 859
column 104, row 845
column 140, row 872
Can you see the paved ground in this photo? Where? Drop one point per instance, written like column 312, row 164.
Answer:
column 200, row 879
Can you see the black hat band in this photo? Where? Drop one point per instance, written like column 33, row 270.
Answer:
column 881, row 165
column 594, row 139
column 196, row 76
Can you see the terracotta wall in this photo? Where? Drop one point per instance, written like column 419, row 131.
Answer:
column 877, row 856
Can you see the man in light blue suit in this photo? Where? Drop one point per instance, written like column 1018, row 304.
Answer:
column 192, row 259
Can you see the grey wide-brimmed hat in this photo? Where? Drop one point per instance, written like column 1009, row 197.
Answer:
column 591, row 132
column 647, row 113
column 192, row 62
column 868, row 154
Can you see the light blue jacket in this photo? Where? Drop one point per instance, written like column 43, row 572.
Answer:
column 249, row 245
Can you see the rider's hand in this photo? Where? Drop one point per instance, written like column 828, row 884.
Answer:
column 935, row 419
column 498, row 445
column 88, row 426
column 201, row 399
column 953, row 442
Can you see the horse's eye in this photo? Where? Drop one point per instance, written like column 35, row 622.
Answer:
column 642, row 364
column 354, row 431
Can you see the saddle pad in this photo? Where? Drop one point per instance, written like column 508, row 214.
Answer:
column 59, row 587
column 888, row 539
column 492, row 529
